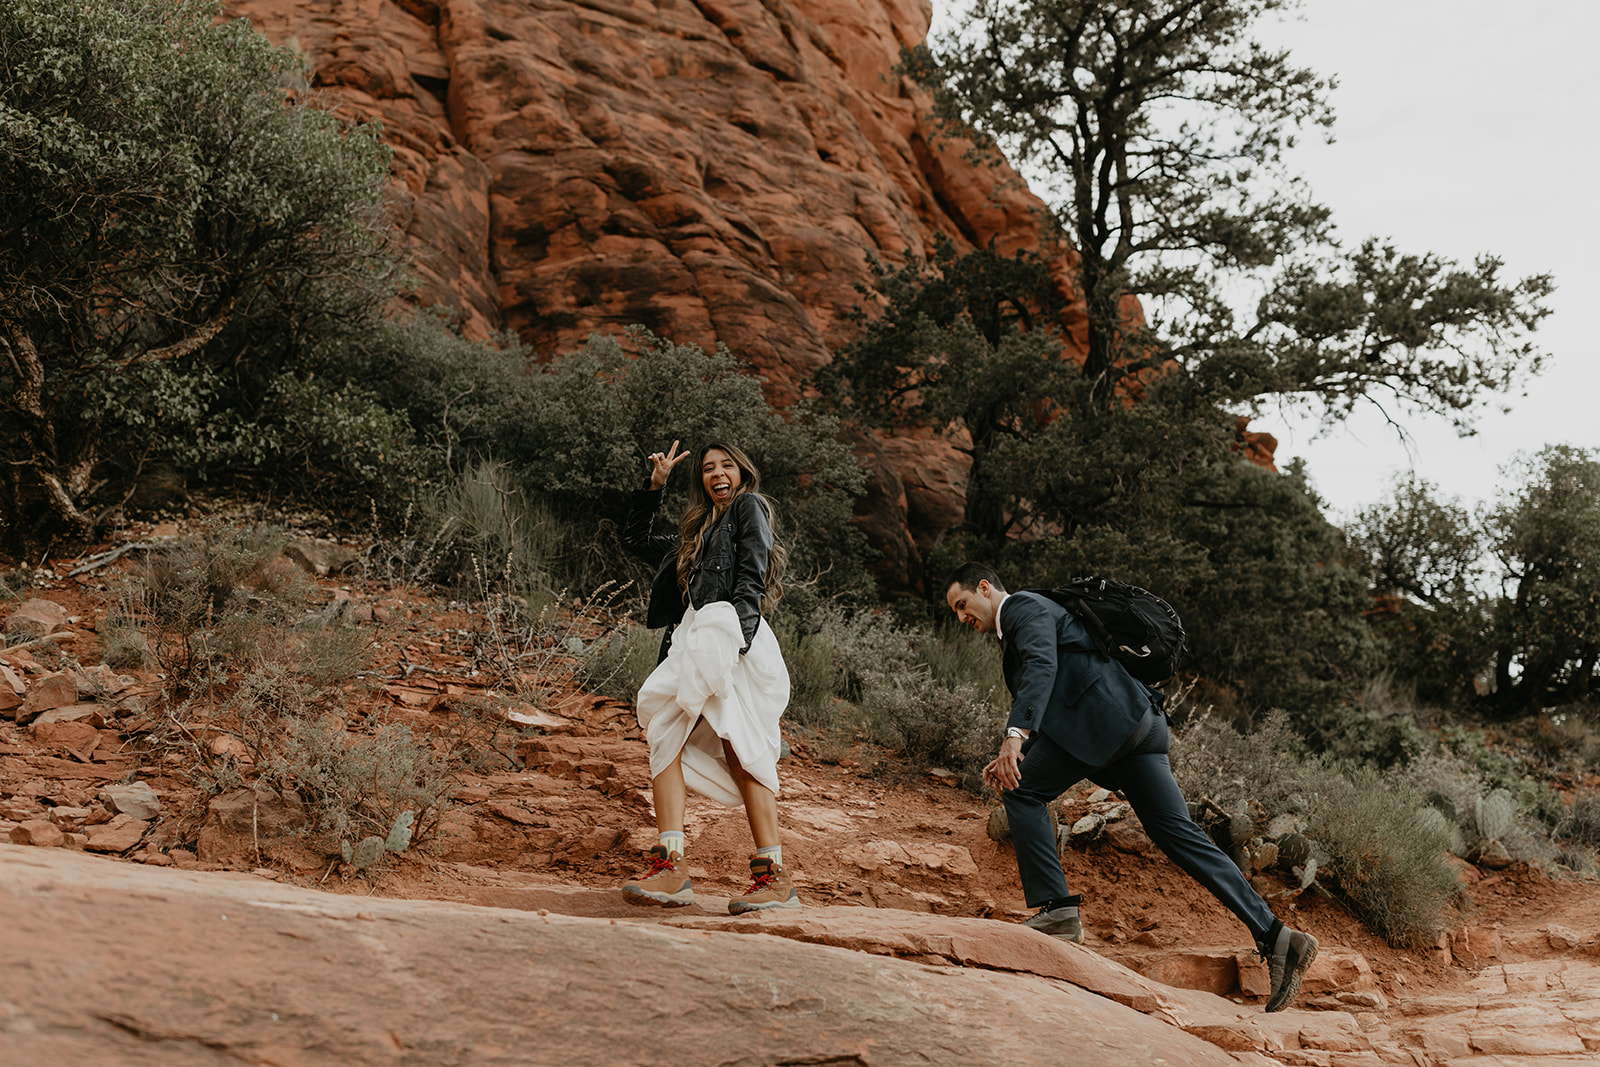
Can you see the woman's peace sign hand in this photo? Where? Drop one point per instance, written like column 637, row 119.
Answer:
column 661, row 465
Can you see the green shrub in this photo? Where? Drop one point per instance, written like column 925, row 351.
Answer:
column 931, row 725
column 358, row 785
column 484, row 532
column 1390, row 860
column 1582, row 821
column 813, row 677
column 955, row 656
column 868, row 649
column 574, row 431
column 1212, row 760
column 617, row 664
column 208, row 602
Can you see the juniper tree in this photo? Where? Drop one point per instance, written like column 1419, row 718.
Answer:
column 1158, row 131
column 176, row 212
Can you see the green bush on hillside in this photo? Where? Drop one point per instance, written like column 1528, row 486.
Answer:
column 575, row 433
column 181, row 225
column 1390, row 861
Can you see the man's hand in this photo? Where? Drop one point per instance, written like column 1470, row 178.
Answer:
column 1005, row 770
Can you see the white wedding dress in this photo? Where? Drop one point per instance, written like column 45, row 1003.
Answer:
column 704, row 692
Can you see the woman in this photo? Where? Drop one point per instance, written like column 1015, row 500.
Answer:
column 710, row 708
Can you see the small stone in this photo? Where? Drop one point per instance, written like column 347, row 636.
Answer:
column 63, row 815
column 9, row 679
column 1282, row 824
column 118, row 835
column 1099, row 795
column 154, row 857
column 953, row 859
column 74, row 738
column 92, row 714
column 41, row 833
column 136, row 799
column 36, row 618
column 228, row 745
column 1474, row 944
column 47, row 693
column 1086, row 828
column 1127, row 836
column 1563, row 937
column 319, row 557
column 99, row 681
column 76, row 840
column 1494, row 856
column 182, row 857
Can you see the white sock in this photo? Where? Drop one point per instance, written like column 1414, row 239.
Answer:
column 773, row 853
column 672, row 841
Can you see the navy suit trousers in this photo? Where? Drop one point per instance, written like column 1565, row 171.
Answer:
column 1145, row 777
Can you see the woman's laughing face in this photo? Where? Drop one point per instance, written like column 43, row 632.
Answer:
column 720, row 476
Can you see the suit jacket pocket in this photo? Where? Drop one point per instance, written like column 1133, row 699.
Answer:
column 1077, row 677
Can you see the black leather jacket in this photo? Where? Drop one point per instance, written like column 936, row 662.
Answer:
column 731, row 564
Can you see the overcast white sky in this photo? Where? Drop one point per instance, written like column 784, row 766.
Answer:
column 1464, row 126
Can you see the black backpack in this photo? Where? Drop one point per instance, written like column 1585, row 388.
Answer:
column 1129, row 624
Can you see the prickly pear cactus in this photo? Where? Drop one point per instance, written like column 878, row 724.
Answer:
column 399, row 838
column 1496, row 815
column 1293, row 851
column 1433, row 821
column 368, row 852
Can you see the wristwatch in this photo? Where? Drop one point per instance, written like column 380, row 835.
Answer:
column 1018, row 732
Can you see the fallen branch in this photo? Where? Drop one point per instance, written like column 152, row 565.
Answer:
column 64, row 635
column 98, row 561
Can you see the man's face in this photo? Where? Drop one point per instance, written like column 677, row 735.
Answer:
column 974, row 607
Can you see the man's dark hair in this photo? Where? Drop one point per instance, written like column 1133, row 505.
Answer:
column 968, row 575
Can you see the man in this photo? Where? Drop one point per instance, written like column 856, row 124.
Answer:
column 1076, row 714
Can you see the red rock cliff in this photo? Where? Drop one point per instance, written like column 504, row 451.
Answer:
column 718, row 170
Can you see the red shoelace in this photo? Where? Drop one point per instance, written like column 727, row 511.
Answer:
column 758, row 882
column 658, row 864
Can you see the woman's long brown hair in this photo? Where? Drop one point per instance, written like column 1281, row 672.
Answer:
column 702, row 513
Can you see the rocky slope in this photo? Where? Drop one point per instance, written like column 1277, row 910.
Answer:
column 717, row 170
column 145, row 921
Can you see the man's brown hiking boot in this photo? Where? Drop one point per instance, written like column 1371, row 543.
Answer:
column 663, row 884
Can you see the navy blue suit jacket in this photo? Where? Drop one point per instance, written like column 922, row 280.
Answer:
column 1060, row 686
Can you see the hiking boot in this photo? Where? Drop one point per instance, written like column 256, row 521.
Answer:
column 1288, row 958
column 663, row 884
column 770, row 887
column 1058, row 918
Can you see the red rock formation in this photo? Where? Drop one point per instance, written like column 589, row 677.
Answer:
column 718, row 170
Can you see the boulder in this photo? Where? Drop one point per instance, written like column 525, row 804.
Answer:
column 358, row 980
